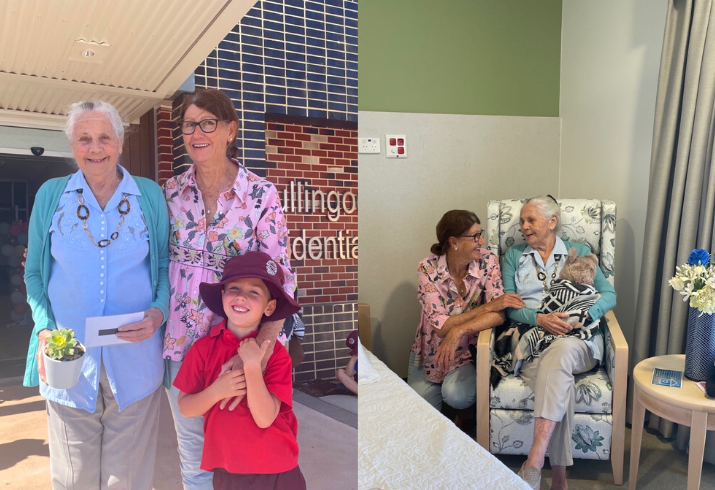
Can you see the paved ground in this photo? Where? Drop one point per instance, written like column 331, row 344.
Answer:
column 346, row 402
column 327, row 436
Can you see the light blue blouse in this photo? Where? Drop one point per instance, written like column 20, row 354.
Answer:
column 531, row 289
column 88, row 281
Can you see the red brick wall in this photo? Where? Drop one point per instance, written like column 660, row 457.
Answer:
column 325, row 159
column 165, row 145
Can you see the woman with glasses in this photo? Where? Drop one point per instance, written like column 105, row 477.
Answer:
column 217, row 209
column 461, row 293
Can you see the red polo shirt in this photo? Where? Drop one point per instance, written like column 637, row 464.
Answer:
column 232, row 440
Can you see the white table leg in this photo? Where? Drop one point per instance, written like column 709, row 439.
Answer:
column 636, row 438
column 697, row 447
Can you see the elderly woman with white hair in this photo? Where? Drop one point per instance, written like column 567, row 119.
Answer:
column 528, row 270
column 98, row 246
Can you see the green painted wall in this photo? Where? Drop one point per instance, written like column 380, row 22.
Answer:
column 491, row 57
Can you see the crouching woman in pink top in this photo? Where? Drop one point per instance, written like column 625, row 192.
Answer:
column 461, row 293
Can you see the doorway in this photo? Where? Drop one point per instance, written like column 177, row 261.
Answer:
column 20, row 178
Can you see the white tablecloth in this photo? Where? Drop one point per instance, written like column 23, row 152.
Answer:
column 404, row 443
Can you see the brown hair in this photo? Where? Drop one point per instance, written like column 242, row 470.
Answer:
column 217, row 103
column 454, row 223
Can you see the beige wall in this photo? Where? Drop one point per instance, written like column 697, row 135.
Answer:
column 453, row 162
column 609, row 72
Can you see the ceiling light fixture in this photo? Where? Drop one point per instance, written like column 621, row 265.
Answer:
column 88, row 52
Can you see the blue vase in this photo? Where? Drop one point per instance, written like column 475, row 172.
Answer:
column 700, row 346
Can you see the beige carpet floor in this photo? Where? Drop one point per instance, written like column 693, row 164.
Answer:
column 662, row 467
column 328, row 447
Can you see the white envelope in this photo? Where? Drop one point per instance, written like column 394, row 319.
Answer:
column 102, row 330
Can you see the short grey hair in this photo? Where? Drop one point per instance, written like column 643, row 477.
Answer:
column 78, row 108
column 547, row 207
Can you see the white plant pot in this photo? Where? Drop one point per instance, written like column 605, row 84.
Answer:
column 63, row 375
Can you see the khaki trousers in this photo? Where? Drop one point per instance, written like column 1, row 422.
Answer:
column 104, row 449
column 551, row 377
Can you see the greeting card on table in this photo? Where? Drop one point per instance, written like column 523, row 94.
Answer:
column 667, row 377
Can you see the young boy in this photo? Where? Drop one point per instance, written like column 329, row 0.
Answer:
column 255, row 445
column 348, row 376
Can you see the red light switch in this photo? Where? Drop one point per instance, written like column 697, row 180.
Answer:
column 396, row 146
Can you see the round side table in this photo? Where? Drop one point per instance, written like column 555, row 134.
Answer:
column 685, row 406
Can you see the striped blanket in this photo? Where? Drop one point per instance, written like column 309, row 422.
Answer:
column 518, row 342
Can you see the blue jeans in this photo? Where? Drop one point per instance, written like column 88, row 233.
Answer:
column 458, row 390
column 190, row 436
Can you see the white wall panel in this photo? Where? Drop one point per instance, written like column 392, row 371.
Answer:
column 608, row 89
column 454, row 162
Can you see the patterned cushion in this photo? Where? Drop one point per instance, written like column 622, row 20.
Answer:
column 588, row 221
column 512, row 432
column 594, row 393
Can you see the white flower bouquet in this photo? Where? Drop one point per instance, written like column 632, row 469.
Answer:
column 696, row 281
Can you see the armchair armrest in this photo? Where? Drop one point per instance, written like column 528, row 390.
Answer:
column 483, row 371
column 616, row 350
column 618, row 340
column 619, row 381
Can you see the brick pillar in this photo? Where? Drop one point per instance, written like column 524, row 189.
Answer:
column 164, row 144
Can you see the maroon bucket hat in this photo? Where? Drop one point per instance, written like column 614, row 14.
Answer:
column 257, row 265
column 352, row 342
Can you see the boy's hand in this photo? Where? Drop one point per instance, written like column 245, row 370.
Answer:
column 229, row 384
column 234, row 363
column 251, row 353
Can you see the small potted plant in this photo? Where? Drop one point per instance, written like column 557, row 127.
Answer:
column 63, row 359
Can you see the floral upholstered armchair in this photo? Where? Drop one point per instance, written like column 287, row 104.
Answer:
column 504, row 415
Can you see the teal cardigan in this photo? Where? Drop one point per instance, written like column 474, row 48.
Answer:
column 39, row 259
column 528, row 315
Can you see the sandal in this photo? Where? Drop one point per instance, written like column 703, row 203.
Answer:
column 530, row 475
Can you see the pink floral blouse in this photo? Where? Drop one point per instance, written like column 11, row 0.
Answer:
column 249, row 216
column 438, row 295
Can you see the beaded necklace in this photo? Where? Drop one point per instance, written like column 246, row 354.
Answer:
column 83, row 213
column 541, row 275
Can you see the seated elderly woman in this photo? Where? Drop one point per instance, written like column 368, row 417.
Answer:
column 528, row 270
column 460, row 289
column 98, row 246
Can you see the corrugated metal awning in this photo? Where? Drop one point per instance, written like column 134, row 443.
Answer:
column 131, row 53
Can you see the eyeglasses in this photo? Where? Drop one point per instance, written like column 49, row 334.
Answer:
column 206, row 125
column 476, row 237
